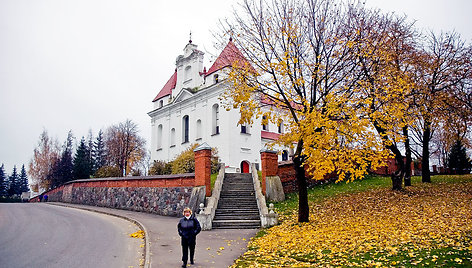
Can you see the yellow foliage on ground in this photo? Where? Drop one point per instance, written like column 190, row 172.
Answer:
column 381, row 223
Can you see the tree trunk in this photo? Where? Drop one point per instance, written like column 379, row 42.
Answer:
column 303, row 210
column 407, row 178
column 426, row 175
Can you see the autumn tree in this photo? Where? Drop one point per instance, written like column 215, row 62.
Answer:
column 44, row 157
column 298, row 64
column 386, row 53
column 124, row 146
column 444, row 69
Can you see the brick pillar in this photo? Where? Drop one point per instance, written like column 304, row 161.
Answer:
column 203, row 167
column 270, row 166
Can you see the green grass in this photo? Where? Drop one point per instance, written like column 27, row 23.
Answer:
column 213, row 180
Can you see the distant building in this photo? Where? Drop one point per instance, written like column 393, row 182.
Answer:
column 188, row 110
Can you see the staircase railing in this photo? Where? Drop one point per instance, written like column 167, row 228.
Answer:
column 268, row 217
column 206, row 214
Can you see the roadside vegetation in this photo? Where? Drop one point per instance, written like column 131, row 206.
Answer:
column 366, row 224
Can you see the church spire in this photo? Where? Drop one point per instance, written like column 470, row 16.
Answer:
column 190, row 38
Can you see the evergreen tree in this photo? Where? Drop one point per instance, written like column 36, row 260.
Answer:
column 458, row 161
column 14, row 183
column 82, row 161
column 3, row 182
column 23, row 180
column 99, row 153
column 63, row 169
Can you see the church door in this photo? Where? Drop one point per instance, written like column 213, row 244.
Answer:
column 244, row 167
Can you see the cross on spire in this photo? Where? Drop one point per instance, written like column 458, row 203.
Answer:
column 190, row 39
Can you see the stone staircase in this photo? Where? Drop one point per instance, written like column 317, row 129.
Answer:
column 237, row 206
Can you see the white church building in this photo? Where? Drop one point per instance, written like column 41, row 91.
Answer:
column 188, row 110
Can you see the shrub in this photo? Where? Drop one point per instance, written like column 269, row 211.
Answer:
column 108, row 171
column 160, row 168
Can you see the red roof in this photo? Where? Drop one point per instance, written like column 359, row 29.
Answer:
column 167, row 89
column 269, row 135
column 229, row 55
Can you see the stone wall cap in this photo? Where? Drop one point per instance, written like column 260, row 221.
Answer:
column 132, row 178
column 265, row 150
column 203, row 146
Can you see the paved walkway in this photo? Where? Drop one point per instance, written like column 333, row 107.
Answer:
column 216, row 248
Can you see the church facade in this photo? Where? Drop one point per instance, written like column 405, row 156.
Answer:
column 189, row 109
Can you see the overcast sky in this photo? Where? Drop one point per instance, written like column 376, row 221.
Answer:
column 86, row 65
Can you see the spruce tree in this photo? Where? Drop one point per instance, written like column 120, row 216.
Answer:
column 63, row 168
column 99, row 153
column 23, row 180
column 90, row 152
column 458, row 161
column 14, row 183
column 81, row 161
column 3, row 182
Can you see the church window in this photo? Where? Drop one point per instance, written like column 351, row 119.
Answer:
column 188, row 74
column 245, row 128
column 199, row 129
column 284, row 155
column 185, row 129
column 265, row 124
column 215, row 120
column 215, row 78
column 161, row 103
column 159, row 137
column 172, row 137
column 281, row 127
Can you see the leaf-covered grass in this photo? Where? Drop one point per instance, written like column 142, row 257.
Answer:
column 366, row 224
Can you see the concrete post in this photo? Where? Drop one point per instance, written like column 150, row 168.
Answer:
column 203, row 167
column 270, row 166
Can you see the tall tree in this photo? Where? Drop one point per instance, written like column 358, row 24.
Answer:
column 125, row 148
column 24, row 185
column 90, row 156
column 82, row 161
column 63, row 168
column 14, row 183
column 99, row 153
column 3, row 182
column 385, row 46
column 44, row 157
column 445, row 66
column 298, row 65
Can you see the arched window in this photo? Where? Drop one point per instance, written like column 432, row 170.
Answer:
column 215, row 78
column 199, row 129
column 215, row 120
column 187, row 74
column 284, row 155
column 185, row 129
column 161, row 103
column 265, row 124
column 281, row 127
column 172, row 137
column 159, row 137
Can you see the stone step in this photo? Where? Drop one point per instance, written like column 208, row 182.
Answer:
column 237, row 217
column 236, row 224
column 237, row 211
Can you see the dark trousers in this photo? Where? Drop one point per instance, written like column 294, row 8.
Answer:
column 186, row 245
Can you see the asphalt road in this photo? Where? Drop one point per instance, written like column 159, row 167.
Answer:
column 42, row 235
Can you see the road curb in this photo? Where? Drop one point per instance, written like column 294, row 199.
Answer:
column 147, row 246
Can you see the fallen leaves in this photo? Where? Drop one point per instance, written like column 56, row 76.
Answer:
column 424, row 225
column 138, row 234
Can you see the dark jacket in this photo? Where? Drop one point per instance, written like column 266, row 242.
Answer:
column 188, row 229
